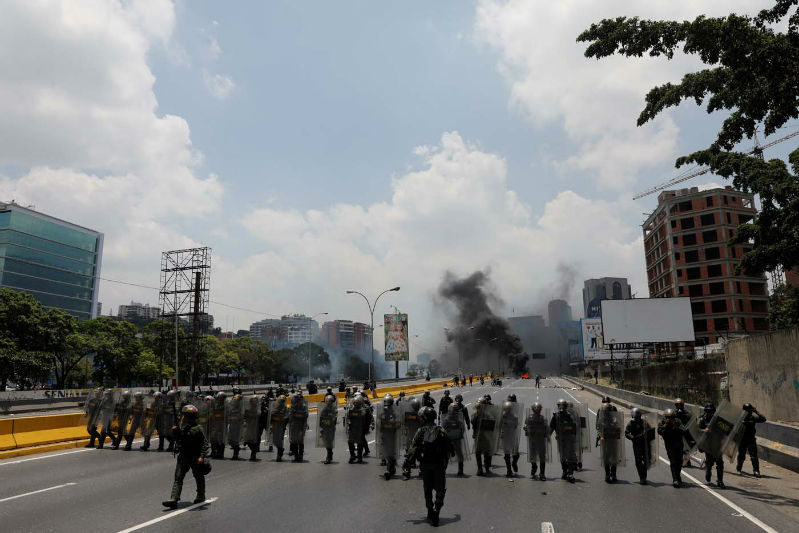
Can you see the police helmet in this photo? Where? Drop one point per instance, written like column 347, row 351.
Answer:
column 458, row 398
column 357, row 402
column 606, row 399
column 427, row 393
column 748, row 407
column 157, row 395
column 329, row 399
column 679, row 403
column 139, row 396
column 635, row 413
column 562, row 405
column 416, row 404
column 221, row 395
column 512, row 398
column 388, row 400
column 281, row 399
column 236, row 390
column 446, row 392
column 125, row 394
column 109, row 392
column 209, row 399
column 171, row 394
column 189, row 411
column 487, row 398
column 507, row 407
column 536, row 407
column 709, row 408
column 670, row 413
column 428, row 414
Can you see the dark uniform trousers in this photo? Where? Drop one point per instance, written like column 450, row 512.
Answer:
column 711, row 461
column 181, row 469
column 675, row 461
column 639, row 452
column 434, row 479
column 748, row 445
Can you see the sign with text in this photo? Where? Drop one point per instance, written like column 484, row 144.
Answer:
column 395, row 328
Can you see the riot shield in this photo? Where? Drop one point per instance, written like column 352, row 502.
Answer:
column 326, row 418
column 355, row 421
column 105, row 412
column 204, row 409
column 487, row 429
column 152, row 409
column 217, row 425
column 720, row 437
column 388, row 427
column 536, row 427
column 410, row 422
column 455, row 426
column 691, row 428
column 278, row 420
column 252, row 410
column 580, row 412
column 567, row 436
column 234, row 412
column 298, row 420
column 510, row 427
column 610, row 429
column 652, row 441
column 135, row 414
column 169, row 415
column 90, row 409
column 120, row 416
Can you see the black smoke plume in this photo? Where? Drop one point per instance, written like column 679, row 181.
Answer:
column 484, row 340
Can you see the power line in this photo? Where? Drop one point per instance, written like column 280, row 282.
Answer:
column 212, row 301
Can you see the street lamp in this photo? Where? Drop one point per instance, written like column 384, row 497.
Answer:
column 372, row 315
column 309, row 343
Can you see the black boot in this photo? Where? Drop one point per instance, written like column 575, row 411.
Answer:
column 613, row 474
column 533, row 469
column 301, row 450
column 101, row 442
column 236, row 451
column 542, row 477
column 160, row 443
column 171, row 447
column 145, row 445
column 329, row 458
column 479, row 464
column 352, row 452
column 509, row 473
column 460, row 469
column 279, row 458
column 607, row 474
column 252, row 454
column 487, row 462
column 360, row 455
column 515, row 463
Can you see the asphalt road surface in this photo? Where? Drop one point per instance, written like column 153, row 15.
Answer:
column 108, row 490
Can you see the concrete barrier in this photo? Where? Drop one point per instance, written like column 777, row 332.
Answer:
column 39, row 430
column 7, row 441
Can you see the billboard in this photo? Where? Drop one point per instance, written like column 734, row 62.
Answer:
column 595, row 347
column 647, row 320
column 395, row 329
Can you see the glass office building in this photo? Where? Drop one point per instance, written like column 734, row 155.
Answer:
column 55, row 261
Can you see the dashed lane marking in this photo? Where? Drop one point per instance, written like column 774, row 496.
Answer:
column 44, row 457
column 37, row 492
column 167, row 516
column 547, row 527
column 756, row 521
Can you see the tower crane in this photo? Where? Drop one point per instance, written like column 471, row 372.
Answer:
column 757, row 151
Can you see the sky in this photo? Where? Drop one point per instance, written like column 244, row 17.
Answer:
column 319, row 147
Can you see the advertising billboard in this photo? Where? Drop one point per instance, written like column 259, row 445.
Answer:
column 596, row 348
column 647, row 320
column 395, row 328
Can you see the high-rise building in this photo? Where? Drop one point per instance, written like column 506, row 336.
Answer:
column 288, row 331
column 54, row 260
column 596, row 290
column 685, row 242
column 138, row 310
column 347, row 335
column 558, row 311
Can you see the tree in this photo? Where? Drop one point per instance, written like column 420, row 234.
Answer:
column 753, row 74
column 116, row 349
column 149, row 369
column 23, row 358
column 64, row 342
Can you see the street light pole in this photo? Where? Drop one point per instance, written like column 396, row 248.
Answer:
column 309, row 343
column 372, row 315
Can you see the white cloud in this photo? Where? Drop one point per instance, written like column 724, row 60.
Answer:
column 596, row 102
column 218, row 85
column 453, row 212
column 81, row 123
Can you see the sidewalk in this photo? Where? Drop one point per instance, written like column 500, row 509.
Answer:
column 778, row 488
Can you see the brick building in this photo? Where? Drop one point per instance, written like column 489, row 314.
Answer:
column 685, row 242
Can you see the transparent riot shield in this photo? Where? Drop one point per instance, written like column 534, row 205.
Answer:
column 487, row 429
column 135, row 415
column 580, row 412
column 298, row 420
column 152, row 408
column 169, row 414
column 510, row 427
column 204, row 410
column 120, row 416
column 652, row 442
column 278, row 420
column 455, row 426
column 691, row 428
column 91, row 407
column 355, row 424
column 105, row 411
column 610, row 430
column 234, row 413
column 326, row 419
column 252, row 410
column 217, row 425
column 722, row 431
column 388, row 431
column 410, row 422
column 567, row 436
column 536, row 429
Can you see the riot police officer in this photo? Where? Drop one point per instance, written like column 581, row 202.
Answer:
column 536, row 429
column 684, row 417
column 673, row 434
column 462, row 408
column 432, row 448
column 565, row 427
column 427, row 400
column 638, row 431
column 443, row 405
column 263, row 417
column 748, row 441
column 192, row 450
column 710, row 458
column 357, row 417
column 388, row 435
column 610, row 450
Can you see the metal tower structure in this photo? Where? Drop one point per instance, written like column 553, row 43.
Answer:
column 184, row 297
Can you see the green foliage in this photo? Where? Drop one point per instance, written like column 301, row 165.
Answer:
column 23, row 358
column 784, row 308
column 752, row 74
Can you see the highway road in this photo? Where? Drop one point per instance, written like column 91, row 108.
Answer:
column 108, row 490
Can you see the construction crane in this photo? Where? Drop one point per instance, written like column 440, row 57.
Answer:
column 757, row 151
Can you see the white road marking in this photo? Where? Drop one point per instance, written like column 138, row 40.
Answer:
column 45, row 457
column 167, row 516
column 727, row 502
column 36, row 492
column 547, row 527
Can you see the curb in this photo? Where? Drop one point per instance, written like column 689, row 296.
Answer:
column 19, row 452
